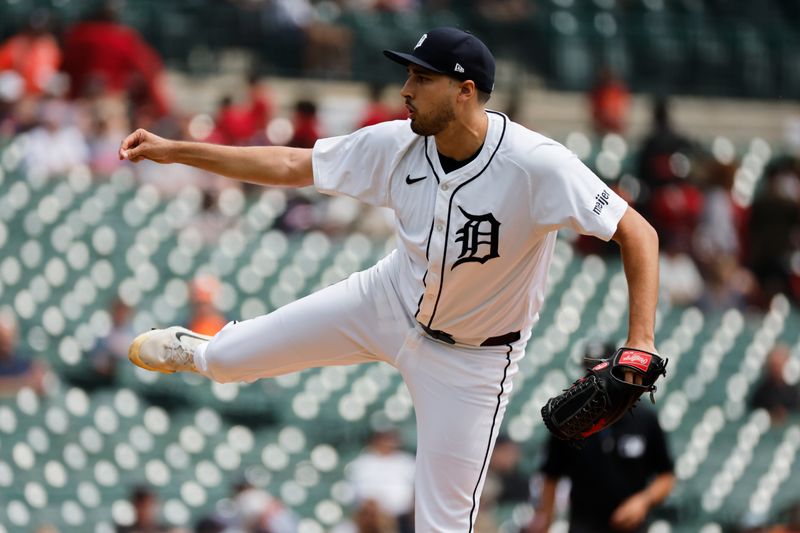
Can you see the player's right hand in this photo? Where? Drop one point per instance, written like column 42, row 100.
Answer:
column 141, row 144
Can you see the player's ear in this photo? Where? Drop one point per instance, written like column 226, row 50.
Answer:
column 467, row 89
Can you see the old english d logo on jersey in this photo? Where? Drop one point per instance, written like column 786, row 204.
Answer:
column 480, row 233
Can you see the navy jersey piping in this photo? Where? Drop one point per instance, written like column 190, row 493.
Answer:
column 491, row 434
column 450, row 209
column 430, row 232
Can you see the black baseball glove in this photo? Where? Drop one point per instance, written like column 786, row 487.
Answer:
column 602, row 396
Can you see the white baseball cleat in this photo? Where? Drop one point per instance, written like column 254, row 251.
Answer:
column 166, row 350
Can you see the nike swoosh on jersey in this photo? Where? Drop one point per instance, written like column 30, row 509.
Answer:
column 412, row 181
column 180, row 334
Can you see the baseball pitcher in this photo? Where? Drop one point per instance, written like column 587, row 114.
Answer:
column 478, row 200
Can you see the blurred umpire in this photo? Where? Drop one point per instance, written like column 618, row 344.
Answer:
column 617, row 476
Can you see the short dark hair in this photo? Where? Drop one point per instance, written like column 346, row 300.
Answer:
column 483, row 96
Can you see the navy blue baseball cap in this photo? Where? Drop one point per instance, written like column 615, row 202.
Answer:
column 453, row 52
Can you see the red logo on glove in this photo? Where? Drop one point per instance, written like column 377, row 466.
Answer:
column 638, row 360
column 600, row 366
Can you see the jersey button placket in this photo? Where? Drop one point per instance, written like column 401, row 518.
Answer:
column 438, row 245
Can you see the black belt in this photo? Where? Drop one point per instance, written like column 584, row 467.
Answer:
column 500, row 340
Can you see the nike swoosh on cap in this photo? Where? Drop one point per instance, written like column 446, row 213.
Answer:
column 411, row 180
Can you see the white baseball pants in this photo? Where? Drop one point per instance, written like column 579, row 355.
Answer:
column 459, row 392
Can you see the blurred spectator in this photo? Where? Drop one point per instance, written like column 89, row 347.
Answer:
column 209, row 525
column 671, row 203
column 243, row 123
column 617, row 475
column 657, row 166
column 261, row 103
column 674, row 211
column 46, row 529
column 774, row 235
column 774, row 393
column 147, row 509
column 504, row 469
column 210, row 220
column 610, row 102
column 385, row 474
column 371, row 519
column 103, row 56
column 679, row 278
column 377, row 111
column 505, row 23
column 113, row 348
column 257, row 511
column 236, row 124
column 368, row 518
column 299, row 37
column 56, row 145
column 33, row 53
column 722, row 220
column 328, row 49
column 306, row 125
column 394, row 5
column 12, row 88
column 109, row 122
column 718, row 243
column 505, row 483
column 16, row 371
column 205, row 318
column 728, row 285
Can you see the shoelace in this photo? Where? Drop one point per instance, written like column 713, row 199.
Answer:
column 179, row 355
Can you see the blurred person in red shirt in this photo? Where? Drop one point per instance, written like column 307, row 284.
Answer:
column 376, row 111
column 260, row 106
column 236, row 124
column 33, row 53
column 244, row 123
column 103, row 56
column 610, row 100
column 306, row 125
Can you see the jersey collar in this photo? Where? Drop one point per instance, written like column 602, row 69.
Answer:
column 490, row 144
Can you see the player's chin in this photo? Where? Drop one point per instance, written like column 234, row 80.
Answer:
column 420, row 129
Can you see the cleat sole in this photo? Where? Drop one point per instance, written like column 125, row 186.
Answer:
column 135, row 358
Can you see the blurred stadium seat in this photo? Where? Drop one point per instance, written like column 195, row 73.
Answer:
column 72, row 244
column 68, row 457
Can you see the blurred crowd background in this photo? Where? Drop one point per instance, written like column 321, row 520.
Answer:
column 690, row 109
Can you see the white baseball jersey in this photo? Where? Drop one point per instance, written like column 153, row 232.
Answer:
column 475, row 245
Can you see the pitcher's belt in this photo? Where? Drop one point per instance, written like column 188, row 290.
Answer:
column 506, row 338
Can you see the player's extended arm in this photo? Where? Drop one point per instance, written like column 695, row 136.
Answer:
column 633, row 511
column 638, row 242
column 263, row 165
